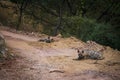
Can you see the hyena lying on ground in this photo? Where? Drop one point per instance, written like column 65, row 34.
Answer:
column 90, row 54
column 47, row 40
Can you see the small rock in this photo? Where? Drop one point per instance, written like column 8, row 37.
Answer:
column 2, row 44
column 56, row 70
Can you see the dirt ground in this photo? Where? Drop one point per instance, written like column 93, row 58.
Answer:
column 33, row 60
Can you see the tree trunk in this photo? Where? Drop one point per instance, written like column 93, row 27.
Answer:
column 58, row 27
column 59, row 23
column 105, row 12
column 72, row 12
column 21, row 6
column 19, row 19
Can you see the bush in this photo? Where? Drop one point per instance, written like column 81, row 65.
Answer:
column 88, row 29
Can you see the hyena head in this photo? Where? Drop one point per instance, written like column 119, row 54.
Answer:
column 80, row 55
column 85, row 53
column 80, row 52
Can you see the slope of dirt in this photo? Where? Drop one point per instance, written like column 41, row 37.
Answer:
column 34, row 60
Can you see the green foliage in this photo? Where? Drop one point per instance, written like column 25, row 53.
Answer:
column 16, row 1
column 77, row 26
column 96, row 20
column 87, row 29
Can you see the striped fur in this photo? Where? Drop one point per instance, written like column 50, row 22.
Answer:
column 91, row 54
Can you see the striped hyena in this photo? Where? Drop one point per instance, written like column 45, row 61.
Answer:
column 90, row 54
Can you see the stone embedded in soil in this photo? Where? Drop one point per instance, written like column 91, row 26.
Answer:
column 56, row 70
column 2, row 45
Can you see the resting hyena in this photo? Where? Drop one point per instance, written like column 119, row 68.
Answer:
column 47, row 40
column 90, row 54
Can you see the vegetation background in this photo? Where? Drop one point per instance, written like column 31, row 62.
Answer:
column 97, row 20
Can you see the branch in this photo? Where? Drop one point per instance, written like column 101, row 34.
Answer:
column 36, row 17
column 105, row 12
column 70, row 7
column 42, row 7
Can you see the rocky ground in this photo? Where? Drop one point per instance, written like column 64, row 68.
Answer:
column 33, row 60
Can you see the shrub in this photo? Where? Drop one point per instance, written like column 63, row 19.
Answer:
column 88, row 29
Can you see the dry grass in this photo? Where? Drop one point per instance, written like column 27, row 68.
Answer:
column 111, row 63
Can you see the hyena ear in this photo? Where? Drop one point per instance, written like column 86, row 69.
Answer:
column 78, row 50
column 82, row 51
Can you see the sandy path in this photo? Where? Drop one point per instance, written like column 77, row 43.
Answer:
column 36, row 57
column 35, row 63
column 18, row 36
